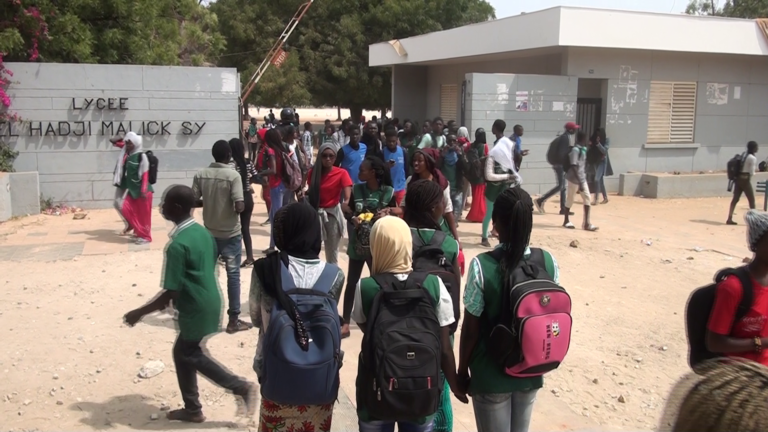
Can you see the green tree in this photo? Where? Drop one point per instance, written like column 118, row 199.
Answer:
column 730, row 8
column 331, row 44
column 251, row 28
column 157, row 32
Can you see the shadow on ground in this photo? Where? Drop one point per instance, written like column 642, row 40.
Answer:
column 707, row 222
column 105, row 236
column 134, row 411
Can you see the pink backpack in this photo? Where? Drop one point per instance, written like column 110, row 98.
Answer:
column 534, row 330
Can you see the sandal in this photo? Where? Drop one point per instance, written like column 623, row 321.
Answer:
column 590, row 227
column 185, row 416
column 246, row 263
column 569, row 225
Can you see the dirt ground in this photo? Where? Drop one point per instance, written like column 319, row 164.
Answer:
column 68, row 362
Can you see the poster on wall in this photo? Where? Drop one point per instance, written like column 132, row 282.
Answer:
column 558, row 106
column 521, row 101
column 717, row 94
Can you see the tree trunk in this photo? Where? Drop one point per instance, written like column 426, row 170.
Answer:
column 338, row 113
column 356, row 113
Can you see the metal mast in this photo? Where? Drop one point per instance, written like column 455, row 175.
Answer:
column 276, row 49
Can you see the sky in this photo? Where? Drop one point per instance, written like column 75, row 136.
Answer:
column 505, row 8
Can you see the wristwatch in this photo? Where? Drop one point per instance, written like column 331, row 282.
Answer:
column 758, row 345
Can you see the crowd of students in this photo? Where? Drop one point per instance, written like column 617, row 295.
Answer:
column 397, row 205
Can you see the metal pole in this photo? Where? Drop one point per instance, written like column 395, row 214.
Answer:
column 275, row 49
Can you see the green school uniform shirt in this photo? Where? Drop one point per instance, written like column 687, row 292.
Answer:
column 363, row 200
column 482, row 298
column 368, row 289
column 131, row 178
column 190, row 270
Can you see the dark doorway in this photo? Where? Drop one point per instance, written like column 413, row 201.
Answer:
column 589, row 114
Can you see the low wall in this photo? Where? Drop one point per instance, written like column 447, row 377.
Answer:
column 661, row 185
column 19, row 194
column 5, row 197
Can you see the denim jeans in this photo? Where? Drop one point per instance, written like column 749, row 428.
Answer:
column 231, row 250
column 600, row 180
column 389, row 426
column 189, row 359
column 457, row 199
column 280, row 196
column 509, row 412
column 560, row 178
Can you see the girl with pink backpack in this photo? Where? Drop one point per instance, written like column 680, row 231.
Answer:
column 517, row 321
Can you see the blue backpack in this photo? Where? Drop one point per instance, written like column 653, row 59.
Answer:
column 292, row 376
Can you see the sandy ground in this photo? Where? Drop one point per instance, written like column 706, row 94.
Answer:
column 68, row 362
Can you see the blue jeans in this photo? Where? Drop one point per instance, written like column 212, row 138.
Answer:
column 280, row 196
column 560, row 178
column 389, row 426
column 231, row 250
column 509, row 412
column 457, row 199
column 600, row 180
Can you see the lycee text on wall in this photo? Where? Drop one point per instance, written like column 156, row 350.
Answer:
column 110, row 128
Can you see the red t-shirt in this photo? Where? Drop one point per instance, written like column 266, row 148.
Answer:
column 331, row 186
column 266, row 155
column 727, row 299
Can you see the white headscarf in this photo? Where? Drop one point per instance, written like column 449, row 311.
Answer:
column 502, row 153
column 137, row 147
column 463, row 133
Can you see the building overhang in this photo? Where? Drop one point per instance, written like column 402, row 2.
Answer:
column 551, row 29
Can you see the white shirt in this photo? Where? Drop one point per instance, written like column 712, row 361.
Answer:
column 444, row 304
column 750, row 162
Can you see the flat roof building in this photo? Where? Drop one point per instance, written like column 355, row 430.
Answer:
column 674, row 92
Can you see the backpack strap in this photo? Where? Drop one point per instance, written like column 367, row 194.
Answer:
column 437, row 239
column 747, row 288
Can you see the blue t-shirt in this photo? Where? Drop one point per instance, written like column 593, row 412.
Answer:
column 352, row 160
column 518, row 143
column 398, row 170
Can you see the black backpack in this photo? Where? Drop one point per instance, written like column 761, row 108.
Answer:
column 153, row 163
column 429, row 258
column 557, row 153
column 401, row 351
column 475, row 166
column 699, row 306
column 734, row 166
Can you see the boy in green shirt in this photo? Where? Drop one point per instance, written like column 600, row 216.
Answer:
column 189, row 279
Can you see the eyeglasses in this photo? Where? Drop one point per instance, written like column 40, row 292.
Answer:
column 329, row 156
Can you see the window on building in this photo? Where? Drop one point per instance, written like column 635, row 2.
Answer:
column 672, row 112
column 449, row 97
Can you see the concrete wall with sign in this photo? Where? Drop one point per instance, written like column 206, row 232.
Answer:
column 70, row 111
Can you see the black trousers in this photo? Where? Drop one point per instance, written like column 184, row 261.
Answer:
column 245, row 224
column 353, row 277
column 190, row 359
column 743, row 184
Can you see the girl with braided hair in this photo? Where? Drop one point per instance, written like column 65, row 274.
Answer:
column 376, row 195
column 423, row 212
column 502, row 403
column 425, row 168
